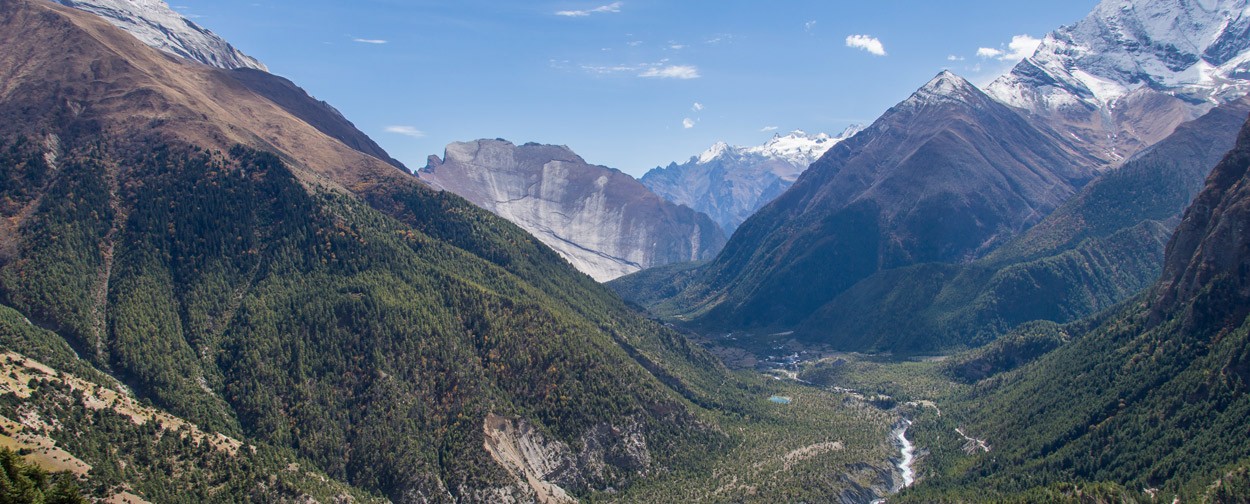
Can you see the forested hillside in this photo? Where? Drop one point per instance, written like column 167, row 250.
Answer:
column 1150, row 398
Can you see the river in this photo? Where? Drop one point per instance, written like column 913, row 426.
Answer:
column 906, row 460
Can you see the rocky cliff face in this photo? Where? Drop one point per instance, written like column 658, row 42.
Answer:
column 731, row 183
column 1132, row 71
column 157, row 25
column 1212, row 243
column 603, row 221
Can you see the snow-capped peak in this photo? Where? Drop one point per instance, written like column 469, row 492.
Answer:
column 716, row 151
column 1198, row 49
column 154, row 23
column 945, row 82
column 797, row 148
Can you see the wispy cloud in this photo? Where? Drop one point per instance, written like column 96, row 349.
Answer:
column 611, row 8
column 954, row 58
column 1020, row 47
column 369, row 41
column 683, row 72
column 809, row 25
column 408, row 131
column 767, row 129
column 687, row 123
column 867, row 43
column 605, row 69
column 658, row 70
column 697, row 107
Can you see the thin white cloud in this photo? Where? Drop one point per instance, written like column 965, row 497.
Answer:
column 809, row 25
column 954, row 58
column 634, row 43
column 658, row 70
column 867, row 43
column 610, row 69
column 408, row 131
column 369, row 41
column 683, row 72
column 1020, row 47
column 687, row 123
column 767, row 129
column 697, row 107
column 611, row 8
column 676, row 47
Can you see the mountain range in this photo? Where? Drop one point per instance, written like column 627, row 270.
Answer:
column 729, row 184
column 951, row 174
column 946, row 175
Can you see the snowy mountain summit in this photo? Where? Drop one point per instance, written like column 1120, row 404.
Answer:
column 946, row 87
column 798, row 149
column 730, row 183
column 154, row 23
column 1126, row 59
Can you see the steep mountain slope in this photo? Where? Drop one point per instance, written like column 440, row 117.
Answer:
column 1153, row 396
column 1098, row 249
column 601, row 220
column 947, row 175
column 157, row 25
column 1129, row 73
column 316, row 113
column 171, row 230
column 731, row 183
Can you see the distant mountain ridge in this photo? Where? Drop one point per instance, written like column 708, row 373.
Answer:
column 603, row 221
column 1125, row 76
column 157, row 25
column 730, row 183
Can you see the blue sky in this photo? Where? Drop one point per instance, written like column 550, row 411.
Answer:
column 630, row 84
